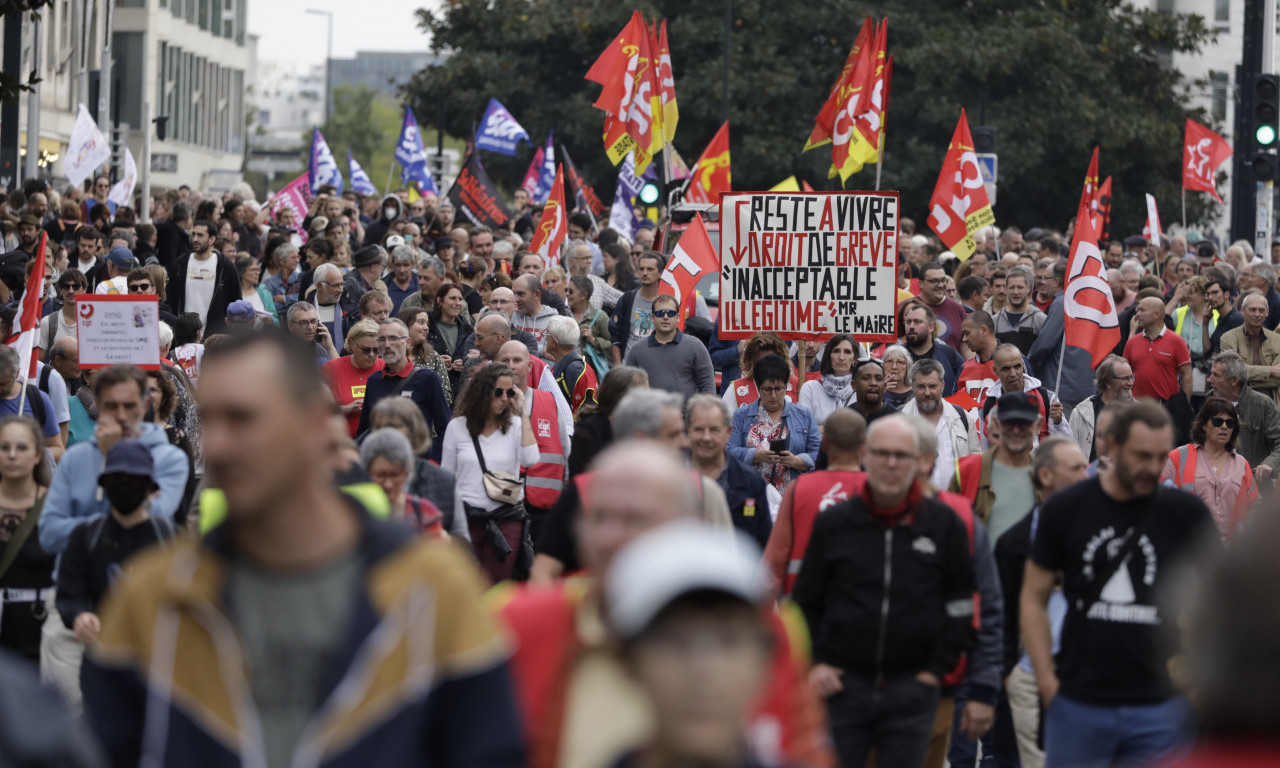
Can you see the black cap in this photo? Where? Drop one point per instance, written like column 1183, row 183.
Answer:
column 1017, row 406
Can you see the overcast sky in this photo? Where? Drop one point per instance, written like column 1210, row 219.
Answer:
column 286, row 32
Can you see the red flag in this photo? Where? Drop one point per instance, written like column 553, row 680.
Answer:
column 693, row 258
column 1089, row 195
column 666, row 81
column 1104, row 209
column 959, row 206
column 824, row 123
column 711, row 174
column 531, row 176
column 553, row 226
column 856, row 98
column 1202, row 153
column 1089, row 310
column 631, row 95
column 22, row 336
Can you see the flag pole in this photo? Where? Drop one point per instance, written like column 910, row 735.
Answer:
column 1184, row 211
column 390, row 168
column 1062, row 354
column 880, row 158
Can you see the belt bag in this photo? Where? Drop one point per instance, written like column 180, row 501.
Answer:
column 502, row 487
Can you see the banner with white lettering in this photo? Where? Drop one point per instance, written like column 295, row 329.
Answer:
column 809, row 265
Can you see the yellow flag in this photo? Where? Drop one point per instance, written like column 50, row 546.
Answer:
column 788, row 184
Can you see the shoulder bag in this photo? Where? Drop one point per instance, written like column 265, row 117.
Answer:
column 502, row 487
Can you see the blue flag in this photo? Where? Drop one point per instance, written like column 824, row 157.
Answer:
column 412, row 156
column 499, row 132
column 322, row 169
column 548, row 176
column 622, row 216
column 360, row 181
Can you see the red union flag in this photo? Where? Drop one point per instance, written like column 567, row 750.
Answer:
column 1089, row 310
column 959, row 206
column 553, row 226
column 711, row 174
column 693, row 259
column 1202, row 153
column 22, row 336
column 1089, row 195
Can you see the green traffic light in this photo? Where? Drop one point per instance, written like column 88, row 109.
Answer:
column 1266, row 135
column 649, row 192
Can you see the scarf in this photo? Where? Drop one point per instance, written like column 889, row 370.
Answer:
column 838, row 388
column 759, row 436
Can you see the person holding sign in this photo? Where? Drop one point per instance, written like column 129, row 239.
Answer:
column 780, row 439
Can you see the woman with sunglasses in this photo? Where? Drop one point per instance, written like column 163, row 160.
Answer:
column 61, row 324
column 1210, row 467
column 348, row 375
column 488, row 439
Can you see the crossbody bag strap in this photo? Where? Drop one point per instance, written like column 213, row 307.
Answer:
column 1135, row 534
column 479, row 453
column 20, row 535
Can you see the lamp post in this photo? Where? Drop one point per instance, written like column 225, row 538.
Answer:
column 328, row 59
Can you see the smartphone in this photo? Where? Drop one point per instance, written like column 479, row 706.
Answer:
column 779, row 445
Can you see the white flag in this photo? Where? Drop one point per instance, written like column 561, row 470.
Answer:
column 122, row 192
column 1152, row 230
column 87, row 149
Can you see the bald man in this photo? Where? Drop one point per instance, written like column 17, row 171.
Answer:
column 1161, row 361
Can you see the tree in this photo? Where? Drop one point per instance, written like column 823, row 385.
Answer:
column 1060, row 76
column 11, row 83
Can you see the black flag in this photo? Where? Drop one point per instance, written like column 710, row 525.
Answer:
column 475, row 199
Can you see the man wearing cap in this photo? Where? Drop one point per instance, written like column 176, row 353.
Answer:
column 99, row 547
column 445, row 250
column 880, row 663
column 696, row 643
column 115, row 272
column 997, row 481
column 368, row 264
column 241, row 316
column 205, row 282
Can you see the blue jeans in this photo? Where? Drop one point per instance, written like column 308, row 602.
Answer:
column 1084, row 735
column 999, row 745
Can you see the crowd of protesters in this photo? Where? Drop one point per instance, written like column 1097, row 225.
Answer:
column 967, row 546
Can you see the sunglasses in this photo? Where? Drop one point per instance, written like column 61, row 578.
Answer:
column 367, row 350
column 665, row 313
column 1219, row 421
column 510, row 394
column 139, row 287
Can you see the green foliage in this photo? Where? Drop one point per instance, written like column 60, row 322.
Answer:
column 1060, row 77
column 11, row 83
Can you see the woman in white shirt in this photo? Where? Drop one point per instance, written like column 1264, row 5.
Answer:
column 489, row 418
column 835, row 389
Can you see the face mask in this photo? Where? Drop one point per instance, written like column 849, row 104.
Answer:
column 126, row 495
column 389, row 213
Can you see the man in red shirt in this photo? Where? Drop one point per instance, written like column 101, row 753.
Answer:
column 948, row 312
column 1161, row 363
column 979, row 373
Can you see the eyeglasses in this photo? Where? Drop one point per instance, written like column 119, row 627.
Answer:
column 1126, row 379
column 366, row 350
column 139, row 287
column 936, row 281
column 502, row 301
column 772, row 390
column 70, row 287
column 1219, row 421
column 305, row 323
column 510, row 394
column 389, row 339
column 665, row 313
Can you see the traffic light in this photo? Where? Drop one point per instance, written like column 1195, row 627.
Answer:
column 984, row 139
column 1266, row 126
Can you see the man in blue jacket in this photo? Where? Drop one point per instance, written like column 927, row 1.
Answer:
column 400, row 378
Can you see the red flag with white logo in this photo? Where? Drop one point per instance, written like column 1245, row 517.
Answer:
column 959, row 206
column 1152, row 230
column 22, row 336
column 693, row 259
column 553, row 226
column 1089, row 310
column 1202, row 152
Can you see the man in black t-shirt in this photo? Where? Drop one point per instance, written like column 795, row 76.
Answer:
column 1117, row 540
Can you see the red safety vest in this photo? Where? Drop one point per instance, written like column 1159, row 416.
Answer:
column 536, row 366
column 745, row 392
column 1184, row 467
column 812, row 493
column 544, row 481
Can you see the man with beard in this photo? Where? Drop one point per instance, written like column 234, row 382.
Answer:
column 957, row 436
column 205, row 282
column 1011, row 376
column 997, row 482
column 979, row 333
column 1218, row 294
column 933, row 292
column 1117, row 541
column 868, row 390
column 1020, row 322
column 1114, row 380
column 919, row 326
column 13, row 263
column 1162, row 362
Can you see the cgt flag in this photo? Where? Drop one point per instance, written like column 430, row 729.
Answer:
column 553, row 227
column 475, row 198
column 322, row 169
column 1089, row 310
column 693, row 259
column 23, row 334
column 1089, row 195
column 711, row 174
column 859, row 128
column 959, row 206
column 360, row 181
column 824, row 123
column 666, row 83
column 1202, row 153
column 631, row 97
column 499, row 132
column 1104, row 210
column 412, row 156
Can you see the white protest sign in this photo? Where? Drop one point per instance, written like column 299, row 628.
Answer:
column 809, row 265
column 116, row 329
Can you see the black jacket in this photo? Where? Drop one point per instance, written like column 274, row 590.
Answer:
column 226, row 289
column 171, row 240
column 744, row 489
column 923, row 624
column 591, row 435
column 92, row 560
column 1012, row 550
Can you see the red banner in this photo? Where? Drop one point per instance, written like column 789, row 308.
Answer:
column 1202, row 153
column 959, row 206
column 1088, row 307
column 553, row 226
column 711, row 174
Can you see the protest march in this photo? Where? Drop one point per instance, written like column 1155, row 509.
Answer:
column 458, row 472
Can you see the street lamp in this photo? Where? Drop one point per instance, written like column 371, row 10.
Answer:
column 328, row 82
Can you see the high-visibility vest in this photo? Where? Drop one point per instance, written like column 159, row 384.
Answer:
column 1180, row 316
column 1184, row 467
column 213, row 503
column 812, row 493
column 544, row 481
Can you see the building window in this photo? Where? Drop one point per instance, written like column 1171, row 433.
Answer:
column 1222, row 14
column 1221, row 84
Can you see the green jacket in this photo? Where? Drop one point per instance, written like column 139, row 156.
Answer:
column 1259, row 429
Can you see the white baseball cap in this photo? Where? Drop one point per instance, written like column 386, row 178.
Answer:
column 393, row 241
column 674, row 560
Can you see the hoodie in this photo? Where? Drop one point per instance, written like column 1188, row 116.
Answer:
column 1029, row 385
column 375, row 232
column 536, row 325
column 74, row 495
